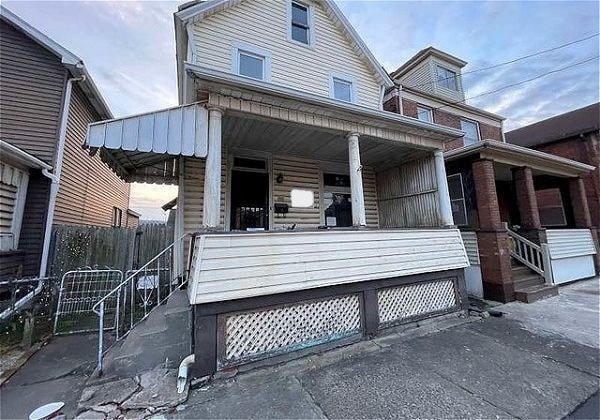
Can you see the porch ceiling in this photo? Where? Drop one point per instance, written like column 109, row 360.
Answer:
column 278, row 138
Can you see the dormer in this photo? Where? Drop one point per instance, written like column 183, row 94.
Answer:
column 434, row 72
column 302, row 45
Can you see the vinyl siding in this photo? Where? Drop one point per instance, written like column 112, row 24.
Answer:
column 264, row 24
column 423, row 77
column 31, row 81
column 297, row 173
column 89, row 189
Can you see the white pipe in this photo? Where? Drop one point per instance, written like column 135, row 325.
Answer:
column 442, row 186
column 182, row 375
column 55, row 175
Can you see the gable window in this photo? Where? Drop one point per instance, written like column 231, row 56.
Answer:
column 341, row 88
column 424, row 114
column 337, row 201
column 117, row 217
column 300, row 24
column 251, row 61
column 471, row 129
column 446, row 78
column 457, row 199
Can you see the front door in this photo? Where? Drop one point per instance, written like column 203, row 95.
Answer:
column 249, row 199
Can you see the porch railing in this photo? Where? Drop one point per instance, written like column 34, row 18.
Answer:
column 534, row 256
column 142, row 291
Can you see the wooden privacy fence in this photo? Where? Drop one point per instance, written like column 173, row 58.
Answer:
column 74, row 247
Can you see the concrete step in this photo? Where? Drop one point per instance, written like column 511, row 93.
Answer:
column 535, row 293
column 528, row 281
column 519, row 269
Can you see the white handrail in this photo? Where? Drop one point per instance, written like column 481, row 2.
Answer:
column 528, row 253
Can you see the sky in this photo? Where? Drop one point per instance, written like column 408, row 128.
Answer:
column 129, row 49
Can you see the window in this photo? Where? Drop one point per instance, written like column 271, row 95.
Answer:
column 251, row 61
column 550, row 207
column 471, row 129
column 300, row 23
column 302, row 198
column 117, row 218
column 457, row 199
column 8, row 196
column 446, row 78
column 337, row 200
column 342, row 89
column 424, row 114
column 13, row 191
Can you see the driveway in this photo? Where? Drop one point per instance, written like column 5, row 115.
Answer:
column 537, row 361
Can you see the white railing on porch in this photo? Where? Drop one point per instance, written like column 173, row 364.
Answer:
column 534, row 256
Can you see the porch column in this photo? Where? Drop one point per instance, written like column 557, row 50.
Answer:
column 526, row 198
column 356, row 184
column 491, row 237
column 212, row 171
column 442, row 186
column 581, row 211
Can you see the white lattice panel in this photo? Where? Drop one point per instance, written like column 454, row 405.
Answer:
column 401, row 302
column 250, row 335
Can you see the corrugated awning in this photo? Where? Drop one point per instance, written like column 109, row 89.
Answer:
column 143, row 147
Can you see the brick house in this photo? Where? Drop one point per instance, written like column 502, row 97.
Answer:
column 495, row 188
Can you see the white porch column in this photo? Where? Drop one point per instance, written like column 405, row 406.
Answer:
column 212, row 172
column 356, row 183
column 443, row 193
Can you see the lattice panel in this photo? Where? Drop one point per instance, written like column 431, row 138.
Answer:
column 397, row 303
column 252, row 335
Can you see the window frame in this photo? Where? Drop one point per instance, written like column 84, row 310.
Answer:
column 324, row 189
column 442, row 83
column 17, row 177
column 478, row 139
column 429, row 111
column 464, row 201
column 562, row 207
column 310, row 23
column 239, row 48
column 342, row 78
column 117, row 212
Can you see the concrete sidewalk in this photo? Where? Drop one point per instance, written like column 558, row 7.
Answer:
column 538, row 361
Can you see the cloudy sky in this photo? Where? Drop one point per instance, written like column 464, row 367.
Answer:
column 129, row 48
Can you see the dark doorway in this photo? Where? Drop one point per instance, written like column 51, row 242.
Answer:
column 249, row 200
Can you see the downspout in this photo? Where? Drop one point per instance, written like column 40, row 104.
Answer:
column 55, row 174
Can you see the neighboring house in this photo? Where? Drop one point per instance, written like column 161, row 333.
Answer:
column 320, row 216
column 494, row 189
column 572, row 135
column 47, row 99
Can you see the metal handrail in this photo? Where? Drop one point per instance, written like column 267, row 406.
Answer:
column 98, row 308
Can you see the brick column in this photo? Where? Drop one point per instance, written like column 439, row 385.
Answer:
column 491, row 237
column 526, row 199
column 581, row 211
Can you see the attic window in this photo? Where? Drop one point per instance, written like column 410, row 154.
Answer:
column 300, row 23
column 341, row 88
column 251, row 61
column 446, row 78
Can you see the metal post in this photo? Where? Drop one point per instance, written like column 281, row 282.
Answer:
column 100, row 336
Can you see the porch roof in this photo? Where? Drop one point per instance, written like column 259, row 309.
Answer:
column 518, row 156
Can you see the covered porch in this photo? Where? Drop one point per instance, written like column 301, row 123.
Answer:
column 300, row 205
column 523, row 213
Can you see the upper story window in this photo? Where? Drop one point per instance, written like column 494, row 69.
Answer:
column 471, row 129
column 424, row 114
column 300, row 23
column 342, row 88
column 446, row 78
column 251, row 61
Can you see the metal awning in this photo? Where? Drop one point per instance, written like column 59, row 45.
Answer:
column 144, row 147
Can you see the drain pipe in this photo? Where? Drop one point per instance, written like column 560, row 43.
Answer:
column 55, row 174
column 182, row 375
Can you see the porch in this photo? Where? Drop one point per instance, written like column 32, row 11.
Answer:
column 524, row 217
column 315, row 216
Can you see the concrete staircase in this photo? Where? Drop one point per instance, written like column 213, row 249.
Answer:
column 530, row 286
column 162, row 339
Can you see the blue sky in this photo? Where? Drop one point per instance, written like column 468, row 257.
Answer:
column 129, row 48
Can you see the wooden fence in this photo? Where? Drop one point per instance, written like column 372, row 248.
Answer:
column 75, row 247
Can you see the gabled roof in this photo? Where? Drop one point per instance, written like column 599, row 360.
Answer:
column 72, row 62
column 196, row 11
column 422, row 55
column 569, row 124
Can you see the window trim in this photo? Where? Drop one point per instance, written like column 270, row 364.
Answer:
column 117, row 212
column 344, row 78
column 425, row 108
column 311, row 24
column 478, row 130
column 446, row 69
column 249, row 49
column 20, row 198
column 464, row 201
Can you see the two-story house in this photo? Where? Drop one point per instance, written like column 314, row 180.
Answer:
column 318, row 216
column 493, row 186
column 47, row 99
